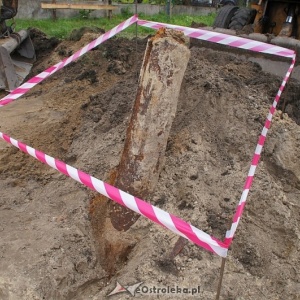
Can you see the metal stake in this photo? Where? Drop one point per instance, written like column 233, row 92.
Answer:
column 221, row 278
column 136, row 37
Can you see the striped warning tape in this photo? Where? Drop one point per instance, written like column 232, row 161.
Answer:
column 251, row 45
column 224, row 39
column 256, row 157
column 25, row 87
column 155, row 214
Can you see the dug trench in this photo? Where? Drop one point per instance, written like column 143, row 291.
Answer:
column 50, row 242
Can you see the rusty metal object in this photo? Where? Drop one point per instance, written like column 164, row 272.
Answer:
column 178, row 247
column 164, row 64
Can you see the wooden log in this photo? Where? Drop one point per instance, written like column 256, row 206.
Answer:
column 164, row 64
column 163, row 68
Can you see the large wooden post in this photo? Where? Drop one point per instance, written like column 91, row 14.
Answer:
column 164, row 65
column 165, row 61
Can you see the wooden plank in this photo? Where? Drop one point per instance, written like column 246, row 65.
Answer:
column 90, row 5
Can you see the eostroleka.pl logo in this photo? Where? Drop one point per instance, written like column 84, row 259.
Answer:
column 140, row 288
column 125, row 288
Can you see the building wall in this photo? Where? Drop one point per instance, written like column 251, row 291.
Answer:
column 32, row 9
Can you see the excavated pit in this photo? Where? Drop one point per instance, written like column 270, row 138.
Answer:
column 49, row 239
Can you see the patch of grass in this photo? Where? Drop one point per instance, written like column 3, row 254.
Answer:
column 61, row 28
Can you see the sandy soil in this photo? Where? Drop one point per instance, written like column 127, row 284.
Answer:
column 80, row 114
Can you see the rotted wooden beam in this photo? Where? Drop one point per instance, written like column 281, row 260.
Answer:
column 165, row 61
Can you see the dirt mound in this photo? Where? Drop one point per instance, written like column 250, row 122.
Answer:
column 80, row 116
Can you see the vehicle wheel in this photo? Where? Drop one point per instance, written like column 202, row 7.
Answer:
column 224, row 16
column 242, row 17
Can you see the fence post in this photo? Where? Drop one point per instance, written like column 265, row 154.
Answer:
column 54, row 17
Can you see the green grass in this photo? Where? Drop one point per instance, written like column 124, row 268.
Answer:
column 61, row 28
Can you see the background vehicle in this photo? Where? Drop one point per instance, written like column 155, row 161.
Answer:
column 275, row 22
column 280, row 18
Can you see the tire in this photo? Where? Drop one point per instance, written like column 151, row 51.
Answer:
column 224, row 16
column 242, row 17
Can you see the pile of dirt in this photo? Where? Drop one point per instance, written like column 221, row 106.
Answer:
column 80, row 116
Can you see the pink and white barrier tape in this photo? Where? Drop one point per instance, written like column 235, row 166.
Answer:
column 24, row 88
column 151, row 212
column 155, row 214
column 224, row 39
column 256, row 157
column 255, row 46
